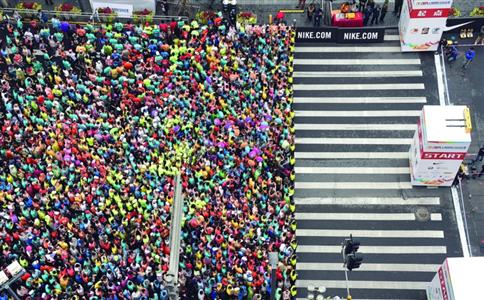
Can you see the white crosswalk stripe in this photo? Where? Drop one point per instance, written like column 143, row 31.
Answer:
column 392, row 38
column 362, row 61
column 360, row 284
column 351, row 170
column 376, row 249
column 371, row 267
column 358, row 49
column 368, row 201
column 361, row 100
column 364, row 216
column 352, row 185
column 356, row 113
column 392, row 127
column 351, row 155
column 355, row 119
column 359, row 87
column 354, row 141
column 365, row 74
column 372, row 233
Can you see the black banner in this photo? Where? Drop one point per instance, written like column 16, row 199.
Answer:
column 315, row 35
column 474, row 22
column 340, row 35
column 360, row 35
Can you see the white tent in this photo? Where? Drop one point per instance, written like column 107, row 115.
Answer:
column 125, row 8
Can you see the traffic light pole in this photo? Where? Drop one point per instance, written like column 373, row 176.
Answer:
column 351, row 259
column 348, row 295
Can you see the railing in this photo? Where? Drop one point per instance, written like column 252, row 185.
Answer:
column 84, row 17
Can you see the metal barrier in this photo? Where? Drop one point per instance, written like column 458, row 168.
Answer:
column 84, row 17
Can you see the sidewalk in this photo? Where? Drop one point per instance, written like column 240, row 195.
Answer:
column 263, row 8
column 465, row 88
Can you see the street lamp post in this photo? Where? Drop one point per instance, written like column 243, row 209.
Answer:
column 273, row 261
column 171, row 278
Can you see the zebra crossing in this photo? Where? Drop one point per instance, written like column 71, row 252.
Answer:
column 356, row 109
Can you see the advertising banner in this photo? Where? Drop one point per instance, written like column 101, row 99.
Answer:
column 360, row 35
column 122, row 9
column 315, row 35
column 422, row 23
column 340, row 35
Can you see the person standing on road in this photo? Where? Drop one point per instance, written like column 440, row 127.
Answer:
column 95, row 16
column 398, row 8
column 480, row 154
column 375, row 14
column 318, row 17
column 366, row 15
column 453, row 54
column 311, row 10
column 470, row 54
column 383, row 12
column 164, row 7
column 301, row 4
column 481, row 172
column 480, row 38
column 371, row 4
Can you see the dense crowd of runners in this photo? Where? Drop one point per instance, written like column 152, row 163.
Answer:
column 95, row 123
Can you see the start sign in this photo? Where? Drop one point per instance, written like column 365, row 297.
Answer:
column 443, row 155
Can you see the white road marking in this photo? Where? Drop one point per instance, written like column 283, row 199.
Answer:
column 363, row 216
column 351, row 155
column 370, row 267
column 358, row 87
column 394, row 37
column 375, row 249
column 360, row 284
column 348, row 49
column 354, row 141
column 352, row 170
column 356, row 61
column 353, row 185
column 358, row 113
column 466, row 251
column 440, row 79
column 368, row 201
column 393, row 127
column 371, row 233
column 362, row 100
column 365, row 74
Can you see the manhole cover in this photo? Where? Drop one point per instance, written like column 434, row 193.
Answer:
column 422, row 214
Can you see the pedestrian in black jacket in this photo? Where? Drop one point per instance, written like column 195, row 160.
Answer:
column 383, row 12
column 480, row 154
column 375, row 14
column 318, row 17
column 366, row 15
column 398, row 7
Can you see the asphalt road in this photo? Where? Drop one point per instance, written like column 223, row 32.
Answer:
column 465, row 88
column 354, row 122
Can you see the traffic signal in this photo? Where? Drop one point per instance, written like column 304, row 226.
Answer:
column 351, row 246
column 353, row 261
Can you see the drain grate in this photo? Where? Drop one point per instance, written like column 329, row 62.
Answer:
column 422, row 214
